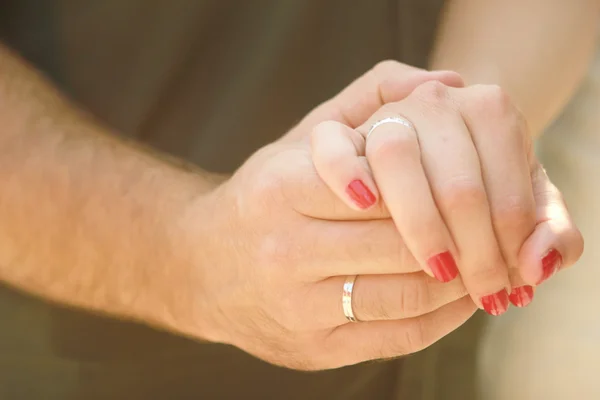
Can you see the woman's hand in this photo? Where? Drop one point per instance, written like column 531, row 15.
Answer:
column 456, row 170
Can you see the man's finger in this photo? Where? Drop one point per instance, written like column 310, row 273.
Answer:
column 383, row 297
column 357, row 342
column 340, row 248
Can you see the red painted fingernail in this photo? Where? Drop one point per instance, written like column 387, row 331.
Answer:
column 360, row 194
column 551, row 263
column 521, row 296
column 495, row 304
column 443, row 267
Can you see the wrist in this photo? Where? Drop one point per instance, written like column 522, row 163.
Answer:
column 177, row 299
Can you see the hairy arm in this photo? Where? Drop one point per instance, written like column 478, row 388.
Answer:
column 86, row 219
column 537, row 50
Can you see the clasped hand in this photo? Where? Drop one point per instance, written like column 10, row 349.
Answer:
column 440, row 211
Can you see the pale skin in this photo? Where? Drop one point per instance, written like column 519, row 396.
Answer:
column 471, row 187
column 92, row 222
column 536, row 50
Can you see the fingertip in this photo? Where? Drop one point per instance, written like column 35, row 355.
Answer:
column 550, row 248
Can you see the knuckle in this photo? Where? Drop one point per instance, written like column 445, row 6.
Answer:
column 270, row 185
column 386, row 67
column 487, row 274
column 432, row 93
column 462, row 194
column 414, row 299
column 494, row 96
column 267, row 186
column 515, row 215
column 390, row 147
column 490, row 101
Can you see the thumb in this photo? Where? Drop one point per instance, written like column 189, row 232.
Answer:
column 556, row 242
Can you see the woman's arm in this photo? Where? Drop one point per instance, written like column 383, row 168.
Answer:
column 537, row 50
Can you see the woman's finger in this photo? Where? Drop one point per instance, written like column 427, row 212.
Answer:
column 556, row 242
column 353, row 343
column 361, row 248
column 394, row 154
column 337, row 151
column 499, row 133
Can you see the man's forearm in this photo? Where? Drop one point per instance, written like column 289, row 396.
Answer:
column 537, row 50
column 87, row 220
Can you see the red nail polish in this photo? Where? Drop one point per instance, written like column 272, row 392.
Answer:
column 495, row 304
column 521, row 296
column 551, row 263
column 360, row 194
column 443, row 267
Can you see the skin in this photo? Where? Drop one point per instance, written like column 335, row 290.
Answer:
column 97, row 223
column 470, row 184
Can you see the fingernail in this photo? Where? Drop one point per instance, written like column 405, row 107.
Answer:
column 495, row 304
column 521, row 296
column 360, row 194
column 551, row 263
column 443, row 267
